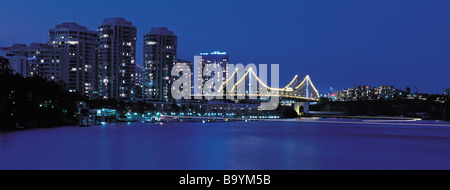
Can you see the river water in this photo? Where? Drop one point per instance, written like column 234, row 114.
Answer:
column 312, row 144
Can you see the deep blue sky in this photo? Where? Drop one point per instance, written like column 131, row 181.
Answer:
column 338, row 43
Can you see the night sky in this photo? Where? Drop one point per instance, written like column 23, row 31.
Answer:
column 340, row 44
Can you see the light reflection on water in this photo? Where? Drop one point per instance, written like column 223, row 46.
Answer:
column 287, row 144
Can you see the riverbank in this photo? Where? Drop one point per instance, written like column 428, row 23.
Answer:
column 408, row 108
column 367, row 117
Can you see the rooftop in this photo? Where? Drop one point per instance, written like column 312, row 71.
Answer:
column 117, row 21
column 33, row 46
column 70, row 25
column 214, row 53
column 161, row 30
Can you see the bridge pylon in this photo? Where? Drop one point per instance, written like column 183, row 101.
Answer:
column 301, row 107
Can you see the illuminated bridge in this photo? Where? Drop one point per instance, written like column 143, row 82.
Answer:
column 299, row 91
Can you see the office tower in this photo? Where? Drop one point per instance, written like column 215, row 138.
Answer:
column 215, row 57
column 79, row 65
column 42, row 60
column 116, row 59
column 160, row 52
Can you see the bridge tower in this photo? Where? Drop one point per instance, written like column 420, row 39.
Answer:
column 301, row 107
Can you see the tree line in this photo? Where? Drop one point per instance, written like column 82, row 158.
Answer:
column 34, row 102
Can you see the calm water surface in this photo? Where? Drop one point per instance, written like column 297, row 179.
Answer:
column 283, row 144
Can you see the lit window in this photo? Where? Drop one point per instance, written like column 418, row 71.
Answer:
column 72, row 42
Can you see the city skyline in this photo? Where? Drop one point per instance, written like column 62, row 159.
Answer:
column 236, row 85
column 338, row 45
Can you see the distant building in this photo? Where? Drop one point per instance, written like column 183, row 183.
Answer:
column 191, row 67
column 215, row 57
column 363, row 92
column 17, row 62
column 332, row 94
column 116, row 59
column 4, row 64
column 447, row 92
column 5, row 56
column 42, row 60
column 369, row 93
column 79, row 65
column 160, row 53
column 340, row 95
column 347, row 95
column 385, row 92
column 188, row 63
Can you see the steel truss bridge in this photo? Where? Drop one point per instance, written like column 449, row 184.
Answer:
column 300, row 91
column 297, row 89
